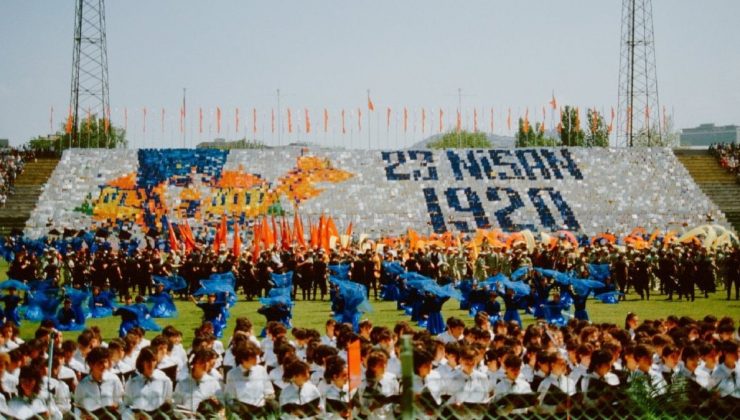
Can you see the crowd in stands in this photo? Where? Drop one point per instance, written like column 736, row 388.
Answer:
column 11, row 166
column 728, row 155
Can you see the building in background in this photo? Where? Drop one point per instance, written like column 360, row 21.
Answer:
column 707, row 134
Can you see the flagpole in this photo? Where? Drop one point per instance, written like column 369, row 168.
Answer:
column 369, row 147
column 279, row 120
column 184, row 116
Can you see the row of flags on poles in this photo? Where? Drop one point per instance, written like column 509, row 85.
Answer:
column 301, row 120
column 267, row 233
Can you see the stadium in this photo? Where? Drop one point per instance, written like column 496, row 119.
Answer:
column 567, row 264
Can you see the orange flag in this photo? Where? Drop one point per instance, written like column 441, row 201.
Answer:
column 274, row 236
column 508, row 120
column 218, row 119
column 331, row 228
column 314, row 239
column 236, row 119
column 405, row 119
column 354, row 365
column 200, row 120
column 491, row 120
column 290, row 121
column 423, row 120
column 344, row 128
column 326, row 120
column 254, row 120
column 553, row 102
column 172, row 238
column 308, row 121
column 441, row 115
column 256, row 241
column 70, row 122
column 272, row 120
column 388, row 118
column 359, row 119
column 370, row 104
column 237, row 249
column 475, row 120
column 298, row 230
column 349, row 229
column 458, row 126
column 413, row 238
column 220, row 234
column 186, row 243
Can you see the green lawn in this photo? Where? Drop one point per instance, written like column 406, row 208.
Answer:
column 312, row 314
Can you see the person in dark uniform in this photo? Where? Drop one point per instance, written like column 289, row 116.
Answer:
column 319, row 273
column 370, row 281
column 621, row 273
column 640, row 275
column 667, row 273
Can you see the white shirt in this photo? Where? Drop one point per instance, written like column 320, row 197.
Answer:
column 727, row 380
column 447, row 338
column 505, row 387
column 306, row 394
column 148, row 394
column 466, row 388
column 189, row 393
column 394, row 366
column 562, row 382
column 62, row 395
column 20, row 408
column 10, row 382
column 91, row 395
column 609, row 378
column 251, row 387
column 446, row 372
column 78, row 363
column 433, row 383
column 276, row 376
column 329, row 341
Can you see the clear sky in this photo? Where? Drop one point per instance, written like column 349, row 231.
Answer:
column 328, row 53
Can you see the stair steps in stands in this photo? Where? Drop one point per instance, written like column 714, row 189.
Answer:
column 28, row 188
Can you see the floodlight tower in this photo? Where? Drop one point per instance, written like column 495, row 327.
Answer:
column 639, row 106
column 89, row 91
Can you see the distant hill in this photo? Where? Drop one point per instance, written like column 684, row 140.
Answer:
column 496, row 141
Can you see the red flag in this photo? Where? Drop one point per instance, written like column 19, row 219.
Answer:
column 285, row 233
column 172, row 238
column 106, row 120
column 314, row 239
column 423, row 120
column 185, row 242
column 161, row 123
column 359, row 119
column 331, row 228
column 475, row 120
column 218, row 119
column 405, row 119
column 441, row 115
column 349, row 229
column 308, row 121
column 388, row 118
column 200, row 120
column 236, row 120
column 370, row 104
column 237, row 249
column 220, row 235
column 326, row 120
column 354, row 365
column 290, row 121
column 508, row 120
column 256, row 238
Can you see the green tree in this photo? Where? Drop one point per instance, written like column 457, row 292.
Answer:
column 666, row 136
column 528, row 136
column 571, row 134
column 462, row 139
column 597, row 133
column 93, row 133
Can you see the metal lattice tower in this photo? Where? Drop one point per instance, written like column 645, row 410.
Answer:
column 638, row 120
column 89, row 92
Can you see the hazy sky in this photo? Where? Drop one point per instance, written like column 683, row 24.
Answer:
column 327, row 53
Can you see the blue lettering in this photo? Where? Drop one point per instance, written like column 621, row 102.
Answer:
column 390, row 169
column 502, row 215
column 427, row 159
column 435, row 210
column 470, row 165
column 567, row 163
column 474, row 206
column 497, row 157
column 529, row 168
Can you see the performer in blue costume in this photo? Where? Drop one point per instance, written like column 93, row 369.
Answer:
column 511, row 303
column 163, row 304
column 101, row 304
column 433, row 310
column 213, row 312
column 10, row 311
column 133, row 316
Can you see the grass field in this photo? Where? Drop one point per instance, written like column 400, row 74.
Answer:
column 313, row 314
